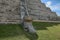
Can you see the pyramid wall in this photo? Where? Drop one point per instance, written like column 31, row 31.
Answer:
column 10, row 11
column 40, row 11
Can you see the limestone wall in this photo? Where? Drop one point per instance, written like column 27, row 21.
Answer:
column 10, row 11
column 41, row 12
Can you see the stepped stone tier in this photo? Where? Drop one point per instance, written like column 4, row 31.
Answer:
column 10, row 11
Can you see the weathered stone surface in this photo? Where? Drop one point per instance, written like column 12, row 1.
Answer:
column 10, row 12
column 40, row 11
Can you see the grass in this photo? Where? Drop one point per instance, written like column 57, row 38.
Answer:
column 45, row 31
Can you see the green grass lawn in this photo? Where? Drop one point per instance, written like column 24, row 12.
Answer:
column 45, row 31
